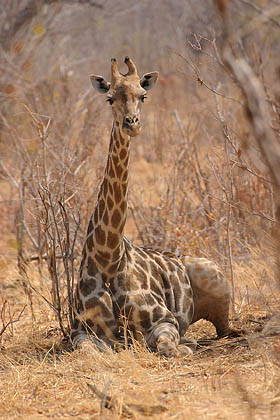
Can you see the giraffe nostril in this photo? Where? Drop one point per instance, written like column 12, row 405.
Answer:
column 127, row 120
column 130, row 120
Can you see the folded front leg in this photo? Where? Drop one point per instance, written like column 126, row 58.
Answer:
column 165, row 339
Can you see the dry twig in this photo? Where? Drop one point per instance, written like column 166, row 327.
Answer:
column 11, row 321
column 127, row 409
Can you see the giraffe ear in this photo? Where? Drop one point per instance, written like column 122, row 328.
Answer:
column 148, row 80
column 100, row 84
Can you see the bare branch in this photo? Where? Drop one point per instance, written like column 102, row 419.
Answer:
column 256, row 106
column 11, row 320
column 260, row 11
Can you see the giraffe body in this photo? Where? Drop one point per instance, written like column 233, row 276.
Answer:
column 151, row 292
column 122, row 287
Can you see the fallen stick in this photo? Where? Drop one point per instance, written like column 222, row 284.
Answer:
column 128, row 409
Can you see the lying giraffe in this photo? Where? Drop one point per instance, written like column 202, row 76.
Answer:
column 157, row 293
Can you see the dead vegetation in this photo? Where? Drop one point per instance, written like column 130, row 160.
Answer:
column 200, row 185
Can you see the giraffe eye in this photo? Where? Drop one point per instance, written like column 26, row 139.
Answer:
column 143, row 97
column 110, row 100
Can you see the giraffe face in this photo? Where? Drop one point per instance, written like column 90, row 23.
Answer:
column 125, row 94
column 126, row 99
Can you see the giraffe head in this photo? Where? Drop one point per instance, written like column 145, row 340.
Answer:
column 125, row 94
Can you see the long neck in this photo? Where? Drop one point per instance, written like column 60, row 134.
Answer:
column 106, row 227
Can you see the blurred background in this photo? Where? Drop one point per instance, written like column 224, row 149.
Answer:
column 198, row 184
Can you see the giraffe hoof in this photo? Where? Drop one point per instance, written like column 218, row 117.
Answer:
column 184, row 350
column 180, row 351
column 231, row 333
column 165, row 347
column 191, row 343
column 168, row 348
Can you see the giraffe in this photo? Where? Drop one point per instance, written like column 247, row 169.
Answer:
column 157, row 293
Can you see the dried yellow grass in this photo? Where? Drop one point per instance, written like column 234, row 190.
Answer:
column 40, row 377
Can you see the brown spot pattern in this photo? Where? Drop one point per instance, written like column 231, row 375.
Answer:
column 101, row 207
column 100, row 235
column 119, row 171
column 145, row 319
column 111, row 171
column 91, row 268
column 110, row 203
column 112, row 240
column 90, row 243
column 86, row 286
column 123, row 206
column 116, row 218
column 95, row 216
column 123, row 154
column 90, row 227
column 117, row 192
column 116, row 160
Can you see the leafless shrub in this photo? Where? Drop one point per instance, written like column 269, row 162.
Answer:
column 7, row 318
column 223, row 192
column 257, row 113
column 48, row 218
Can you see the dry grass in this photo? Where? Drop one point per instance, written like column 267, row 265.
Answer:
column 198, row 185
column 238, row 378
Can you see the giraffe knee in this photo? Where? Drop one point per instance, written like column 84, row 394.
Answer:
column 165, row 339
column 77, row 338
column 82, row 339
column 166, row 347
column 185, row 350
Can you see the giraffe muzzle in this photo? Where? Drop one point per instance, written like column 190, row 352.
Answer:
column 131, row 125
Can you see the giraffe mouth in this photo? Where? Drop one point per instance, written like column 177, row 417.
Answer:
column 131, row 130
